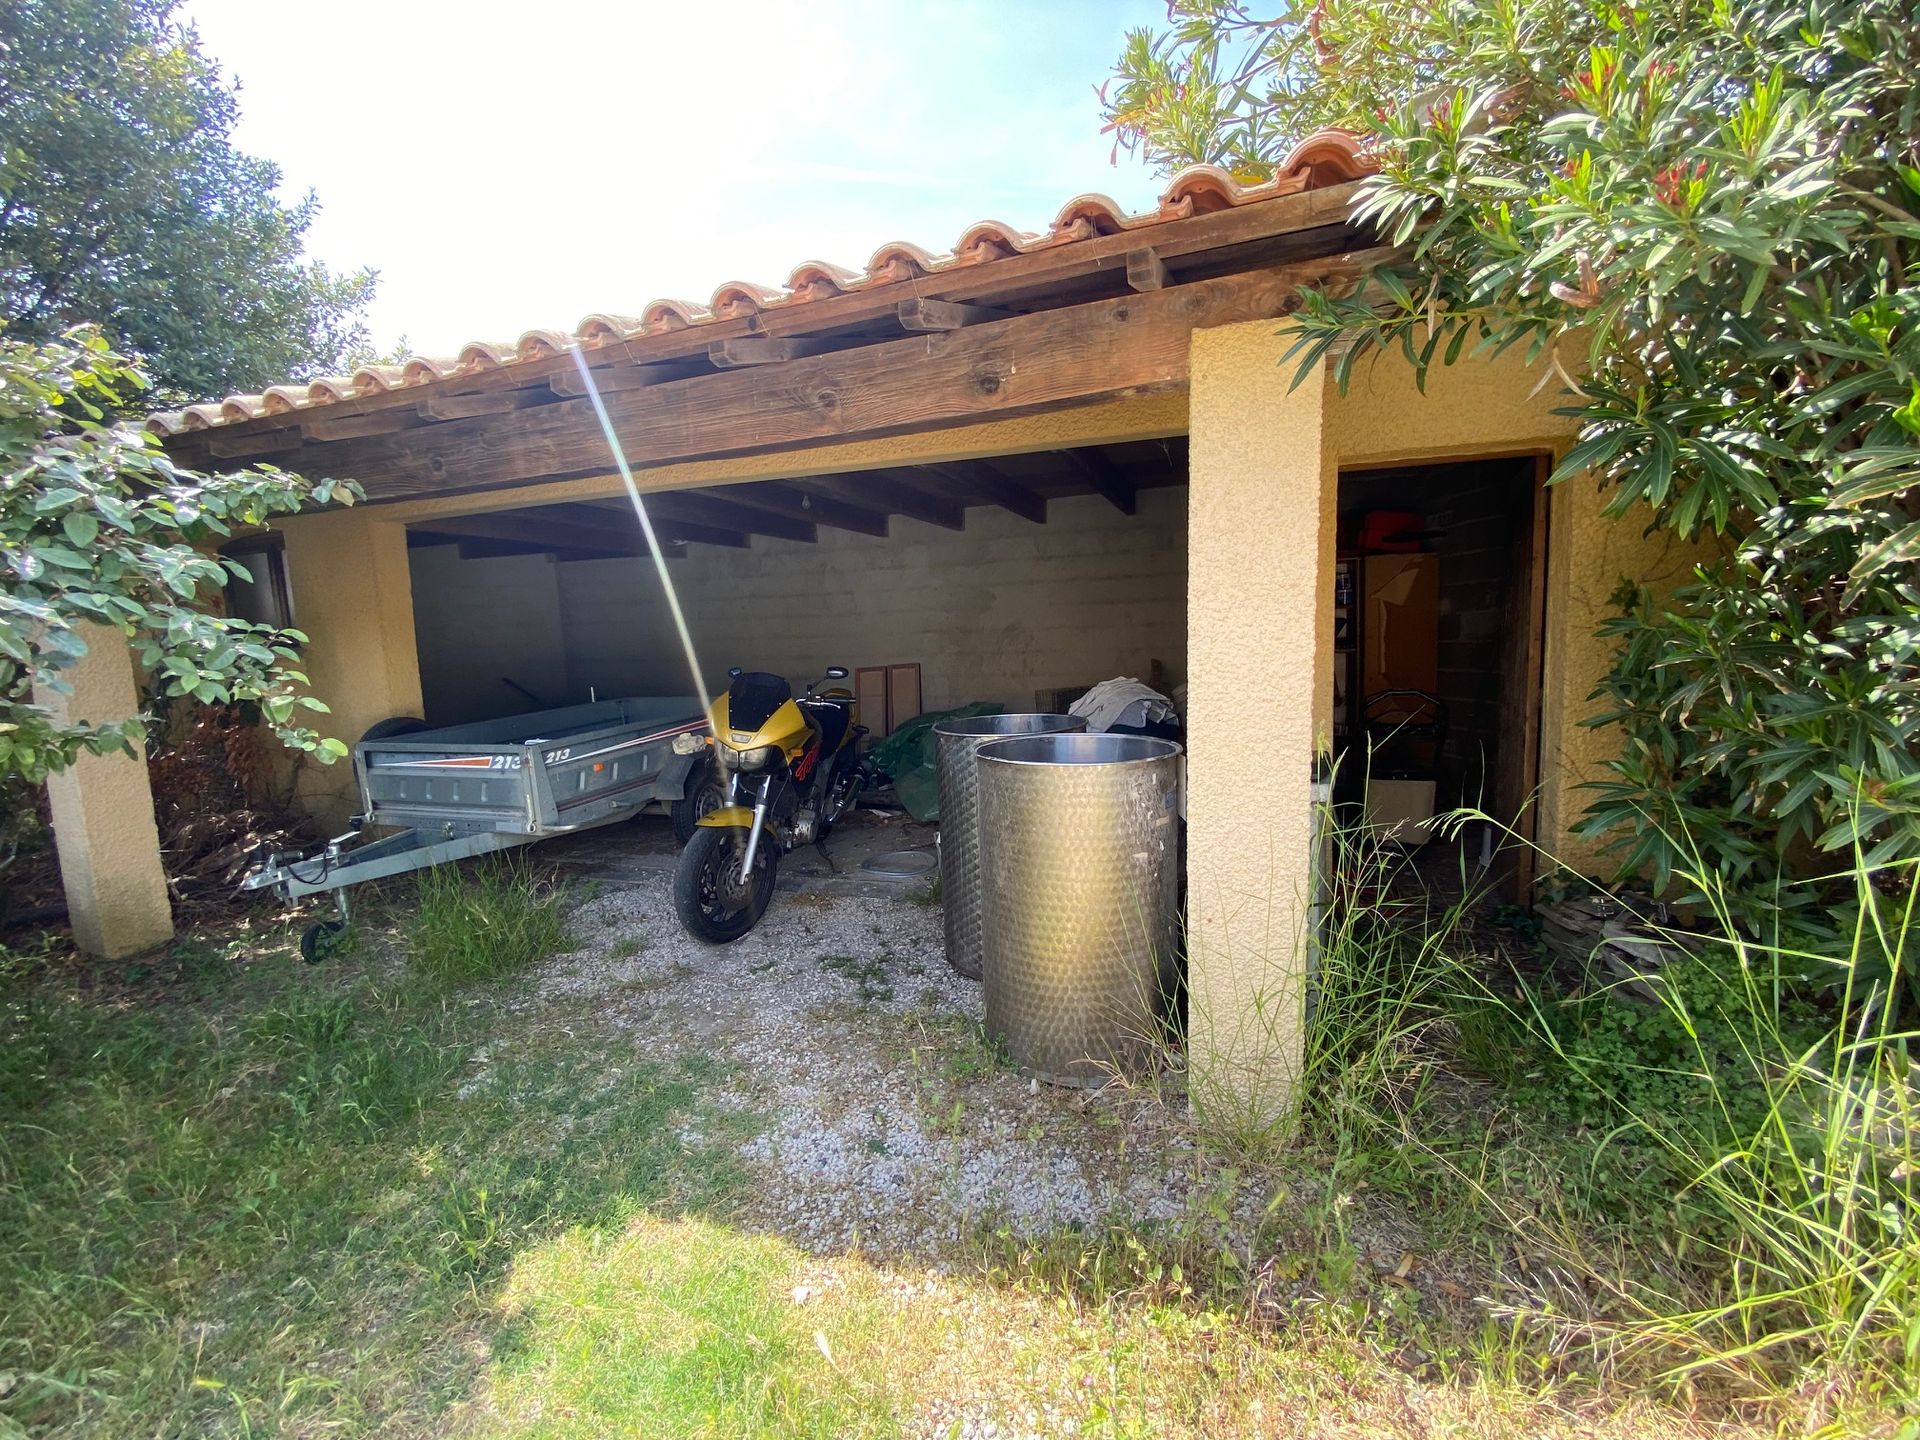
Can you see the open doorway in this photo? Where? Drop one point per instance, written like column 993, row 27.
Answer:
column 1438, row 614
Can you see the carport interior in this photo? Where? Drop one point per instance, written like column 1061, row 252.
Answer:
column 1003, row 580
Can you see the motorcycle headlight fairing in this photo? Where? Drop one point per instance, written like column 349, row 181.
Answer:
column 754, row 759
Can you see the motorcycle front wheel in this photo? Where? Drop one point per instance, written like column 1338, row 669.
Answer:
column 713, row 904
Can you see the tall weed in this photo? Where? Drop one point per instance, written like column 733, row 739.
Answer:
column 1718, row 1159
column 484, row 921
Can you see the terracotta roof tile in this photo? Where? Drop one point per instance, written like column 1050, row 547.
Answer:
column 817, row 279
column 742, row 297
column 423, row 369
column 1328, row 157
column 483, row 355
column 536, row 343
column 600, row 329
column 377, row 379
column 662, row 315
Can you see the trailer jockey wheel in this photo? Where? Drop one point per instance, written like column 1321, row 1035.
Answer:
column 319, row 940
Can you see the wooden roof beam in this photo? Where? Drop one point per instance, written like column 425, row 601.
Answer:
column 1316, row 217
column 1147, row 271
column 918, row 314
column 735, row 354
column 984, row 479
column 615, row 379
column 681, row 531
column 324, row 426
column 1134, row 345
column 1105, row 478
column 531, row 527
column 482, row 402
column 259, row 442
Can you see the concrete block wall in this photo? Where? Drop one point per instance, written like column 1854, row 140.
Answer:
column 993, row 612
column 480, row 620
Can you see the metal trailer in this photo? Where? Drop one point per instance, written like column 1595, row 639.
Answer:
column 491, row 785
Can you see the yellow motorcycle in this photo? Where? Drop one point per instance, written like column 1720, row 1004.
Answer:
column 789, row 767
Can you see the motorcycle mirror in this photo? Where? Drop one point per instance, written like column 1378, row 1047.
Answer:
column 836, row 672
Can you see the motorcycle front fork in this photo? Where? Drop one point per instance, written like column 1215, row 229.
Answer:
column 759, row 825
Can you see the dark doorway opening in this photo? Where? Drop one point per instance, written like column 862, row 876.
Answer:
column 1439, row 610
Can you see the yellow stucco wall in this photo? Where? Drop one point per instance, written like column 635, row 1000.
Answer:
column 1587, row 557
column 353, row 596
column 1480, row 408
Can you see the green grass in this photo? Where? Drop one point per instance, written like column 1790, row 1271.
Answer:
column 395, row 1195
column 483, row 921
column 284, row 1206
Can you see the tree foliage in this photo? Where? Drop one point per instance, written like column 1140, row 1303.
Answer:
column 99, row 528
column 1707, row 215
column 124, row 202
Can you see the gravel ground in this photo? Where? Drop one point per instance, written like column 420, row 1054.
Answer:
column 890, row 1126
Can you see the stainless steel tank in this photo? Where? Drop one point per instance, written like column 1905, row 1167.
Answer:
column 954, row 743
column 1079, row 878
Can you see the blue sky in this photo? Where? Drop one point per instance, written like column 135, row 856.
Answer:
column 508, row 166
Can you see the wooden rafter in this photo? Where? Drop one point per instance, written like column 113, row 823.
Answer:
column 612, row 379
column 985, row 480
column 534, row 527
column 734, row 354
column 706, row 508
column 790, row 501
column 924, row 314
column 1104, row 476
column 1147, row 271
column 885, row 490
column 434, row 406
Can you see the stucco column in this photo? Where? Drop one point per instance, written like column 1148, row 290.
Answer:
column 353, row 597
column 1259, row 702
column 102, row 808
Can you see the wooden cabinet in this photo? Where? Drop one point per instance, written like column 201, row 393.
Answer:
column 1399, row 623
column 1386, row 631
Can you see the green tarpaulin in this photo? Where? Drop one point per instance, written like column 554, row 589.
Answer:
column 907, row 758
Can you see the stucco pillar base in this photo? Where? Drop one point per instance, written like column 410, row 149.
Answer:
column 102, row 808
column 1259, row 698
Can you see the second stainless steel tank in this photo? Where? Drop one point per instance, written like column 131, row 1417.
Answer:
column 1079, row 878
column 955, row 742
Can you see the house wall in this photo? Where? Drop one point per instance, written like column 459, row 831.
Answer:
column 993, row 612
column 480, row 622
column 353, row 597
